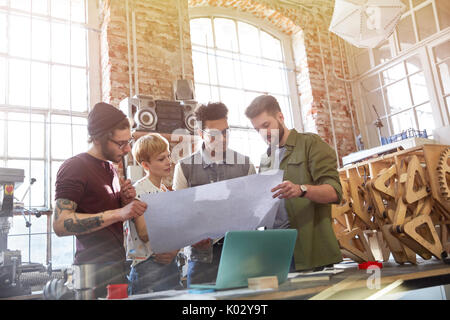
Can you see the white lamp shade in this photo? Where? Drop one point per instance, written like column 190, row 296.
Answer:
column 365, row 23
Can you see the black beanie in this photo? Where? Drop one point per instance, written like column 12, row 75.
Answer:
column 103, row 117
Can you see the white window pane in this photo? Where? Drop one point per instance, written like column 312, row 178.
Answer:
column 80, row 137
column 271, row 47
column 62, row 251
column 38, row 248
column 2, row 80
column 413, row 64
column 54, row 167
column 78, row 11
column 248, row 39
column 397, row 96
column 78, row 48
column 275, row 74
column 39, row 225
column 201, row 32
column 204, row 93
column 39, row 85
column 425, row 118
column 2, row 131
column 60, row 8
column 442, row 51
column 382, row 53
column 233, row 99
column 444, row 74
column 447, row 101
column 419, row 88
column 60, row 43
column 228, row 69
column 285, row 106
column 394, row 73
column 20, row 243
column 425, row 22
column 403, row 121
column 24, row 5
column 248, row 142
column 40, row 6
column 41, row 40
column 204, row 65
column 79, row 89
column 38, row 136
column 405, row 32
column 19, row 36
column 18, row 224
column 37, row 189
column 3, row 32
column 225, row 30
column 374, row 99
column 61, row 135
column 252, row 74
column 443, row 10
column 60, row 88
column 19, row 82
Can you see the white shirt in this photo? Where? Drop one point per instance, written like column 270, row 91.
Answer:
column 136, row 249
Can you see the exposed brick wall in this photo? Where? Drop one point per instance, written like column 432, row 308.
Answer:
column 159, row 57
column 158, row 48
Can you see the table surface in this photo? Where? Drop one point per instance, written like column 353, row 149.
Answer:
column 352, row 283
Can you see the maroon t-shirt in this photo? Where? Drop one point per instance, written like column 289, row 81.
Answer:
column 93, row 184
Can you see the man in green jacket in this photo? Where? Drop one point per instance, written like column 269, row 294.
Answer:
column 311, row 184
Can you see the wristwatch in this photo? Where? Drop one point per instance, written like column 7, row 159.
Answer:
column 304, row 190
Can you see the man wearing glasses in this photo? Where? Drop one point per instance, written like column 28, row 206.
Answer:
column 213, row 162
column 90, row 201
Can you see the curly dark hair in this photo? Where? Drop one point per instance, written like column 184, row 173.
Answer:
column 210, row 111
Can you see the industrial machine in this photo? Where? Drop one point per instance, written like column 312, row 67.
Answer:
column 16, row 278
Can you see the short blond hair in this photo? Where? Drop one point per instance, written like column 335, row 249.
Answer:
column 149, row 145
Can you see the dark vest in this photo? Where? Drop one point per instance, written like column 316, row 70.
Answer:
column 198, row 173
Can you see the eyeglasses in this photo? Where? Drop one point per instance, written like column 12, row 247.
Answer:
column 216, row 133
column 122, row 144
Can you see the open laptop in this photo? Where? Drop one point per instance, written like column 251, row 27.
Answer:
column 249, row 254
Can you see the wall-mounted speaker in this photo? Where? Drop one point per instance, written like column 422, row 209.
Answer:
column 141, row 110
column 188, row 112
column 163, row 116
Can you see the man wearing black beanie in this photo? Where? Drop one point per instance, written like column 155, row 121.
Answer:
column 92, row 204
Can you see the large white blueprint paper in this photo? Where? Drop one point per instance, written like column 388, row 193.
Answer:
column 181, row 218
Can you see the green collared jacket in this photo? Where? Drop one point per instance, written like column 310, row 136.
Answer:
column 309, row 160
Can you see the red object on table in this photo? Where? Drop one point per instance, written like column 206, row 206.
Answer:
column 117, row 291
column 367, row 264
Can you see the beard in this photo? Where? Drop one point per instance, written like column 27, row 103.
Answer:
column 109, row 154
column 280, row 130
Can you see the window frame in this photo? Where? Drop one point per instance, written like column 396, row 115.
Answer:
column 227, row 13
column 93, row 92
column 423, row 49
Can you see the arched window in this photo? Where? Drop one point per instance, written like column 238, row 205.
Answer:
column 234, row 62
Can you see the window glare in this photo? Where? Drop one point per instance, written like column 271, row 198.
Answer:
column 244, row 60
column 44, row 95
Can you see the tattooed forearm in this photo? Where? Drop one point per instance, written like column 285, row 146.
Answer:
column 63, row 205
column 82, row 225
